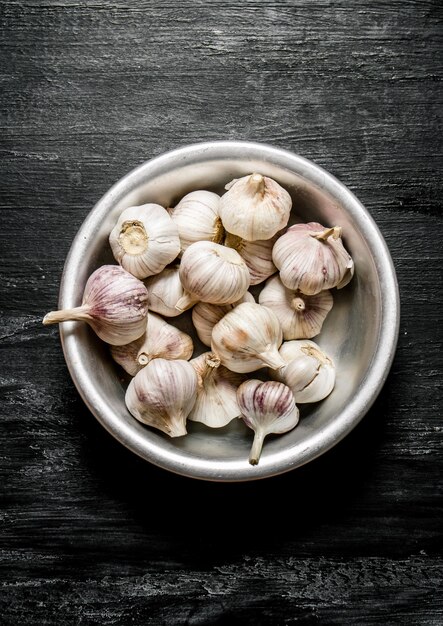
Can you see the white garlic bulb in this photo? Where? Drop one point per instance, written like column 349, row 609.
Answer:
column 164, row 291
column 161, row 340
column 300, row 316
column 114, row 305
column 312, row 258
column 212, row 273
column 267, row 407
column 162, row 395
column 216, row 403
column 255, row 207
column 309, row 372
column 205, row 316
column 247, row 338
column 256, row 254
column 144, row 240
column 197, row 219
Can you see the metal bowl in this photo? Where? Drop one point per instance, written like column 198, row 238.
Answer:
column 360, row 333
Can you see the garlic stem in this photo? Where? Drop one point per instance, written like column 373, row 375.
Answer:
column 298, row 304
column 77, row 314
column 176, row 426
column 335, row 231
column 256, row 184
column 272, row 358
column 143, row 358
column 256, row 448
column 186, row 301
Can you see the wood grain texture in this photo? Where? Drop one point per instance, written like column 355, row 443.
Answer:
column 90, row 533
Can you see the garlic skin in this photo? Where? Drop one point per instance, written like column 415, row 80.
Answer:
column 164, row 291
column 267, row 407
column 300, row 316
column 162, row 395
column 197, row 218
column 212, row 273
column 255, row 207
column 309, row 372
column 256, row 254
column 312, row 258
column 216, row 403
column 247, row 338
column 161, row 340
column 144, row 240
column 205, row 316
column 114, row 305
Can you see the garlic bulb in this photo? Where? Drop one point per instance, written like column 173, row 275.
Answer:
column 212, row 273
column 205, row 316
column 162, row 395
column 309, row 372
column 256, row 254
column 114, row 305
column 255, row 207
column 197, row 219
column 164, row 291
column 216, row 403
column 267, row 407
column 144, row 240
column 300, row 316
column 247, row 338
column 312, row 258
column 161, row 340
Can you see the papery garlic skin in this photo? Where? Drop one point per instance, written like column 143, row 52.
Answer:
column 216, row 404
column 300, row 316
column 312, row 258
column 212, row 273
column 161, row 340
column 255, row 207
column 247, row 338
column 197, row 218
column 162, row 395
column 114, row 305
column 144, row 240
column 309, row 372
column 256, row 254
column 267, row 407
column 164, row 291
column 205, row 316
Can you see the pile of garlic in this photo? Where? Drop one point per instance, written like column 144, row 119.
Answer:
column 205, row 253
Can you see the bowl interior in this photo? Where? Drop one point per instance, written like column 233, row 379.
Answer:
column 350, row 335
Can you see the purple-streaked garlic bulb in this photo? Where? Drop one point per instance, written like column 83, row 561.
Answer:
column 162, row 395
column 300, row 316
column 255, row 207
column 266, row 407
column 114, row 305
column 312, row 258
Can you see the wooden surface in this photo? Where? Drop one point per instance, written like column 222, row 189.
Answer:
column 90, row 533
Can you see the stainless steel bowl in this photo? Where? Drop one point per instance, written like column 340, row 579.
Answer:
column 360, row 333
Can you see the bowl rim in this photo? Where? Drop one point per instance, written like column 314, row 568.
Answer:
column 321, row 441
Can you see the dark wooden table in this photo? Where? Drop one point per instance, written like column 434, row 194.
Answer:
column 90, row 533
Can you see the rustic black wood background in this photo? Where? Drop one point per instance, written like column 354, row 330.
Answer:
column 90, row 533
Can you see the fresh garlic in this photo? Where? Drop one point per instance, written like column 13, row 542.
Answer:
column 212, row 273
column 267, row 407
column 300, row 316
column 309, row 372
column 161, row 340
column 205, row 316
column 144, row 240
column 312, row 258
column 247, row 338
column 216, row 403
column 256, row 254
column 255, row 207
column 164, row 291
column 162, row 395
column 114, row 305
column 197, row 219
